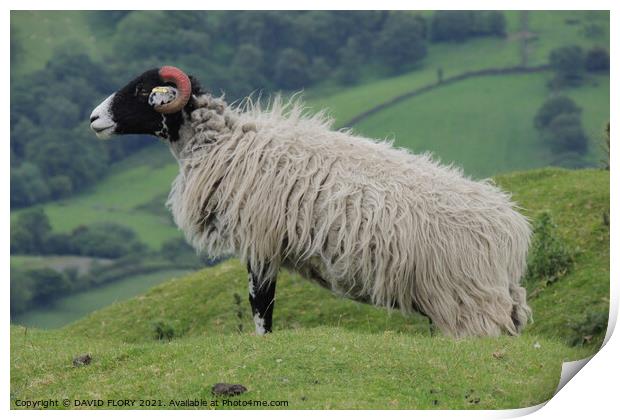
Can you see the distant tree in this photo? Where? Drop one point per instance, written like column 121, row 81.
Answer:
column 30, row 231
column 553, row 107
column 179, row 251
column 451, row 25
column 106, row 20
column 21, row 291
column 559, row 123
column 291, row 69
column 60, row 244
column 22, row 131
column 568, row 63
column 22, row 241
column 565, row 133
column 593, row 30
column 459, row 25
column 55, row 153
column 58, row 112
column 487, row 23
column 106, row 240
column 496, row 23
column 597, row 59
column 49, row 128
column 249, row 58
column 248, row 68
column 163, row 35
column 350, row 62
column 60, row 186
column 47, row 284
column 320, row 69
column 27, row 186
column 16, row 46
column 402, row 41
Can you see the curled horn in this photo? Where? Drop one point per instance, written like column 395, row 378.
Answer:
column 183, row 85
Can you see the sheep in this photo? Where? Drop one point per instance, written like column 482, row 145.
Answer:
column 279, row 188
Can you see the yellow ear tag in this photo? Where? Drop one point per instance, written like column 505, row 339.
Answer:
column 160, row 89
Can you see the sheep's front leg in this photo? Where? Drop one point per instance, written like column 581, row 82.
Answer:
column 262, row 299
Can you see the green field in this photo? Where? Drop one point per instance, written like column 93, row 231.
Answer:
column 549, row 27
column 41, row 31
column 132, row 195
column 486, row 123
column 558, row 28
column 78, row 305
column 327, row 352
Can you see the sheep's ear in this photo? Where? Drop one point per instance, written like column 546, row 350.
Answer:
column 161, row 96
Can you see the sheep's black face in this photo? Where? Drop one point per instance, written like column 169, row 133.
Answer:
column 136, row 108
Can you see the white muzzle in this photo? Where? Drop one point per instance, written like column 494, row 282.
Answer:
column 101, row 120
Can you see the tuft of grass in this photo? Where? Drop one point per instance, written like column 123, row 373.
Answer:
column 549, row 258
column 590, row 330
column 164, row 330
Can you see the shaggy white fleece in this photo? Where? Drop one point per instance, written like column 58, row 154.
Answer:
column 368, row 221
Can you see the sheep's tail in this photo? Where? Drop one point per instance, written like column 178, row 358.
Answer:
column 521, row 312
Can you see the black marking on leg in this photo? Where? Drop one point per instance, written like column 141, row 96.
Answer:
column 515, row 320
column 262, row 299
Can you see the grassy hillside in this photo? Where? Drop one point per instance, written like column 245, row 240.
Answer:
column 327, row 352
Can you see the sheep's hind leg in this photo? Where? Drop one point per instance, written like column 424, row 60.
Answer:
column 262, row 300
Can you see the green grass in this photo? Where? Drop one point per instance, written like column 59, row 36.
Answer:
column 40, row 32
column 553, row 31
column 486, row 124
column 328, row 352
column 329, row 368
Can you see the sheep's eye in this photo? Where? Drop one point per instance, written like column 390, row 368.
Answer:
column 140, row 91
